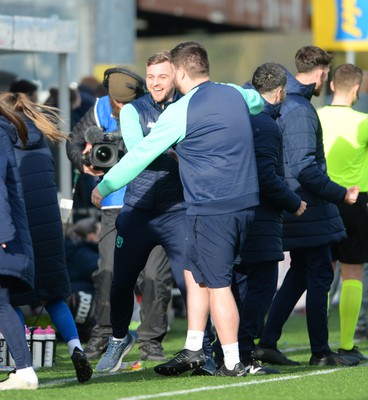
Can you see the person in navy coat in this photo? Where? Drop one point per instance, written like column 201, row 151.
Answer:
column 16, row 254
column 37, row 172
column 258, row 261
column 309, row 237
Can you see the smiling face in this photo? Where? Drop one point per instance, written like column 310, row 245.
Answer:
column 160, row 81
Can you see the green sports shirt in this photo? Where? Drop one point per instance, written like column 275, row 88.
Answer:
column 345, row 138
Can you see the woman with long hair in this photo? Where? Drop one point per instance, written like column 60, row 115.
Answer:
column 37, row 173
column 16, row 254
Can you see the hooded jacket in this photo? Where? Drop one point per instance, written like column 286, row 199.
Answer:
column 264, row 238
column 306, row 173
column 37, row 172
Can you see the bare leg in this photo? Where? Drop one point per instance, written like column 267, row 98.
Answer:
column 198, row 303
column 225, row 314
column 352, row 271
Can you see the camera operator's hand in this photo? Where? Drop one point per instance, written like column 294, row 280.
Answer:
column 96, row 198
column 89, row 169
column 116, row 107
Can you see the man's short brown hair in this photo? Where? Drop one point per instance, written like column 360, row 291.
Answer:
column 308, row 58
column 346, row 76
column 193, row 57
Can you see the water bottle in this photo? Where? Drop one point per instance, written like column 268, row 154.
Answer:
column 49, row 347
column 38, row 345
column 3, row 351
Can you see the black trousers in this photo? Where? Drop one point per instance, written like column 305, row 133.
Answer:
column 254, row 288
column 310, row 270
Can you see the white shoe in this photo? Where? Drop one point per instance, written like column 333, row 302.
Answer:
column 14, row 382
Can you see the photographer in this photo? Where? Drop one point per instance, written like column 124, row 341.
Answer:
column 99, row 127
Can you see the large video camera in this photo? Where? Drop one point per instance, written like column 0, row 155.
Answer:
column 107, row 148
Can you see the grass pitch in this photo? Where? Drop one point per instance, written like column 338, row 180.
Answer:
column 302, row 382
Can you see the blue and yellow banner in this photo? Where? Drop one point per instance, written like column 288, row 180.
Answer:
column 340, row 25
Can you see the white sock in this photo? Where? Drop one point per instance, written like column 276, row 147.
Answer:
column 72, row 344
column 27, row 374
column 194, row 340
column 231, row 355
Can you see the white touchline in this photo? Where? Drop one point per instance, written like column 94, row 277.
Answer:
column 233, row 385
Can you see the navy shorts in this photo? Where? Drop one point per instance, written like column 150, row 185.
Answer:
column 212, row 243
column 354, row 249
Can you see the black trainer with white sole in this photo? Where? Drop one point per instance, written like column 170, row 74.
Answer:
column 238, row 371
column 184, row 360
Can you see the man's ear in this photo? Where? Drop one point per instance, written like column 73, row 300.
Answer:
column 332, row 86
column 357, row 88
column 181, row 73
column 280, row 94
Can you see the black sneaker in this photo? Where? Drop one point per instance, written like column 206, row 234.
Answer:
column 239, row 370
column 183, row 361
column 353, row 352
column 272, row 356
column 82, row 367
column 152, row 351
column 255, row 367
column 334, row 359
column 96, row 346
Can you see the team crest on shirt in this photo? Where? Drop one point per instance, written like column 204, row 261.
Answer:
column 119, row 241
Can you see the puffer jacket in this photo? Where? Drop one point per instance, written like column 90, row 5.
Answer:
column 264, row 238
column 16, row 260
column 37, row 172
column 158, row 188
column 306, row 173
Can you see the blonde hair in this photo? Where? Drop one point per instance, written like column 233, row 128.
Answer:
column 46, row 118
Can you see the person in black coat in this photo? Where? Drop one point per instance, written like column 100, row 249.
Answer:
column 16, row 254
column 36, row 168
column 309, row 237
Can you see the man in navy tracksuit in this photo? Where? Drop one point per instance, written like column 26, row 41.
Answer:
column 213, row 140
